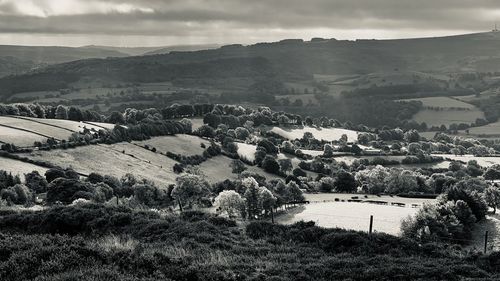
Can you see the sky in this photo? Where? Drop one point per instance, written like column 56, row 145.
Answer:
column 130, row 23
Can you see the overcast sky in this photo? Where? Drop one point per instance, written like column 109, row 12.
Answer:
column 180, row 22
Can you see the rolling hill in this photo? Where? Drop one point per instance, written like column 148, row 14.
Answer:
column 287, row 59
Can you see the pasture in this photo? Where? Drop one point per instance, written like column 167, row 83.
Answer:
column 20, row 168
column 327, row 134
column 19, row 137
column 443, row 102
column 447, row 117
column 116, row 160
column 35, row 127
column 482, row 161
column 181, row 143
column 351, row 215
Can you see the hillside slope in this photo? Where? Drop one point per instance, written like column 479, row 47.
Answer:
column 289, row 59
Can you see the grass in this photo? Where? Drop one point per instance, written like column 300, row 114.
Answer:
column 142, row 246
column 443, row 102
column 482, row 161
column 217, row 169
column 18, row 137
column 74, row 126
column 327, row 134
column 179, row 144
column 109, row 159
column 447, row 117
column 18, row 167
column 48, row 130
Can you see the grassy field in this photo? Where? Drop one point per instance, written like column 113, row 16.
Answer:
column 74, row 126
column 482, row 161
column 18, row 137
column 20, row 168
column 110, row 160
column 217, row 169
column 351, row 215
column 443, row 102
column 48, row 130
column 327, row 134
column 447, row 117
column 490, row 130
column 183, row 144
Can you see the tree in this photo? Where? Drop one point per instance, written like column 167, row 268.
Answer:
column 241, row 133
column 231, row 202
column 212, row 120
column 285, row 165
column 67, row 190
column 327, row 150
column 61, row 112
column 189, row 189
column 270, row 165
column 266, row 200
column 149, row 194
column 298, row 172
column 293, row 192
column 237, row 166
column 326, row 184
column 492, row 197
column 373, row 180
column 345, row 182
column 251, row 195
column 492, row 173
column 54, row 173
column 36, row 182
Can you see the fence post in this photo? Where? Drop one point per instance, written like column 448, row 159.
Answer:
column 272, row 215
column 180, row 204
column 371, row 225
column 485, row 241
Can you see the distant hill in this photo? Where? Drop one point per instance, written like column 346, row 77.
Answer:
column 288, row 60
column 11, row 65
column 51, row 55
column 182, row 48
column 131, row 51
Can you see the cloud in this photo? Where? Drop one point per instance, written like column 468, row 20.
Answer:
column 243, row 20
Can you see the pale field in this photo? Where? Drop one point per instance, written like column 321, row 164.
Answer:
column 109, row 160
column 183, row 144
column 20, row 168
column 447, row 117
column 327, row 134
column 248, row 151
column 19, row 138
column 351, row 215
column 74, row 126
column 482, row 161
column 35, row 127
column 197, row 122
column 218, row 169
column 492, row 129
column 443, row 102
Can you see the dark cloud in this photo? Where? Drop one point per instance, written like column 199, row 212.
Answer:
column 250, row 20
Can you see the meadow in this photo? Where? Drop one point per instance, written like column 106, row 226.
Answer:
column 447, row 117
column 327, row 134
column 179, row 144
column 351, row 215
column 20, row 168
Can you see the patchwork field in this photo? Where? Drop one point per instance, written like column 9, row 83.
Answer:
column 116, row 160
column 24, row 131
column 305, row 98
column 447, row 117
column 490, row 130
column 18, row 137
column 35, row 127
column 482, row 161
column 218, row 168
column 443, row 102
column 327, row 134
column 184, row 144
column 351, row 215
column 20, row 168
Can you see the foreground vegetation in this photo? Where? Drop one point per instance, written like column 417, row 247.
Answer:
column 88, row 242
